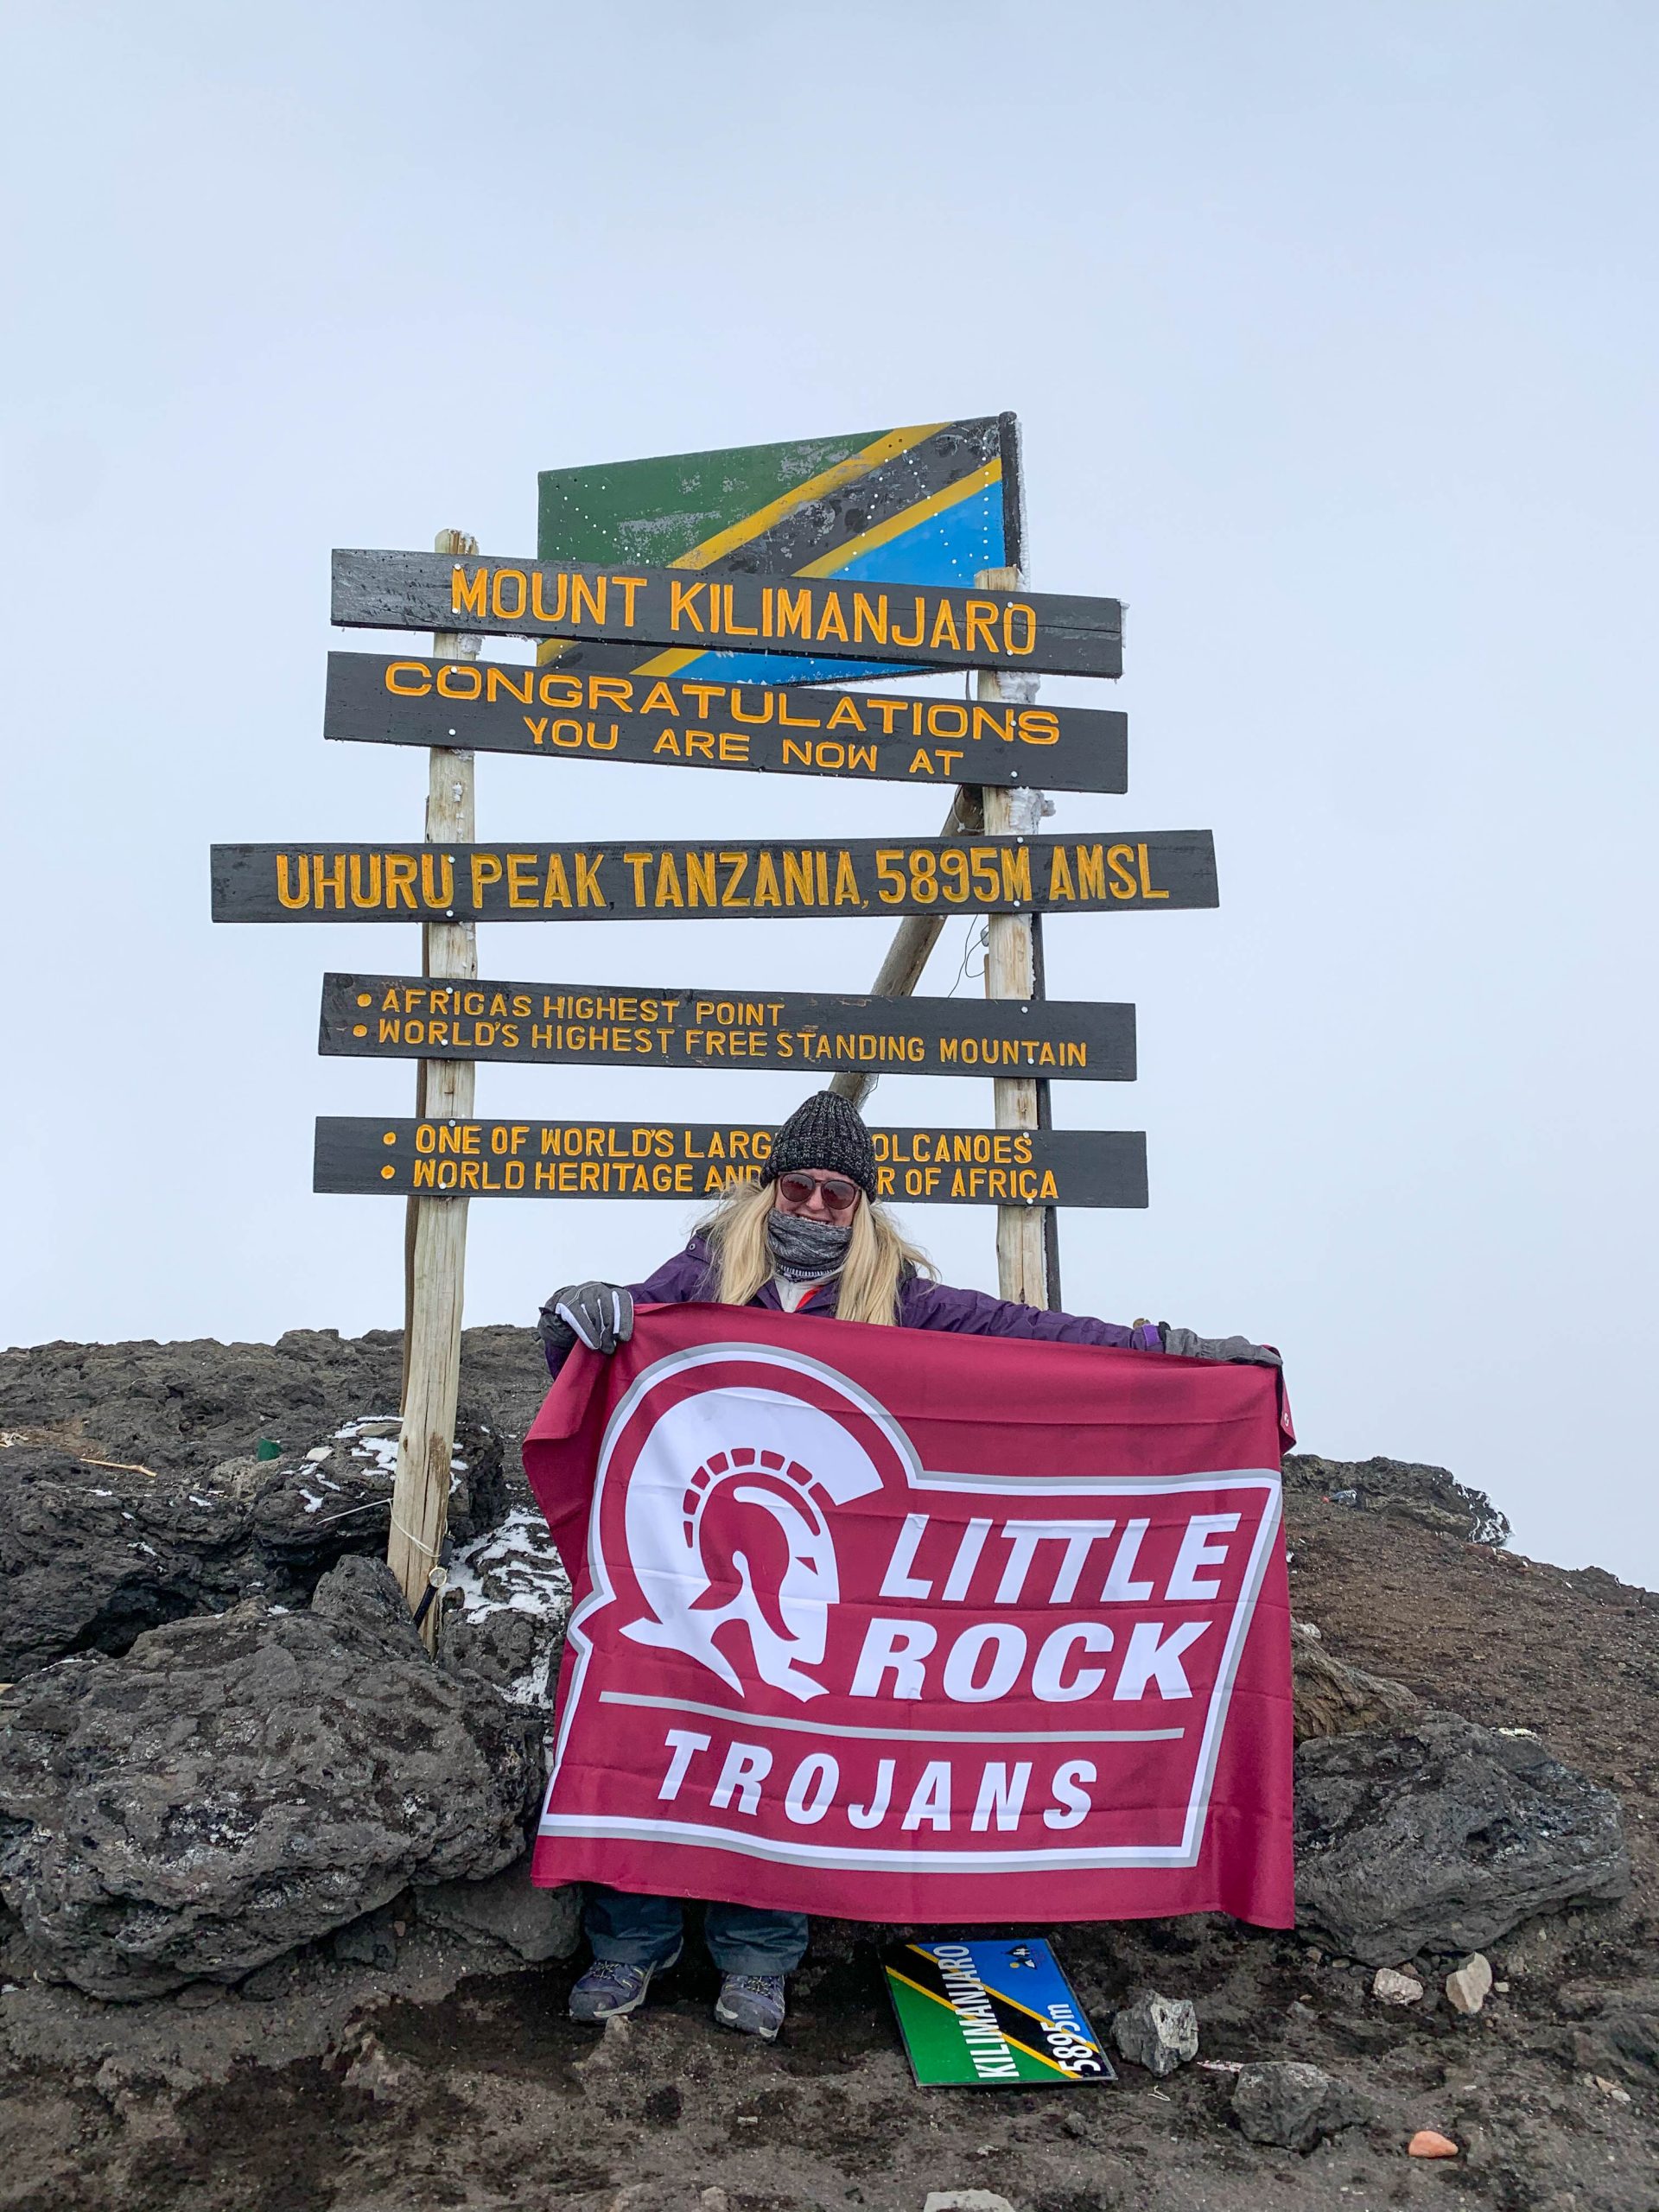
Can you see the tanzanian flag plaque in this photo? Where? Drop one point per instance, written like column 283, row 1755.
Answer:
column 986, row 2014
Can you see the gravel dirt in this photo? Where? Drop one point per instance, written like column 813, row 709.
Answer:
column 450, row 2076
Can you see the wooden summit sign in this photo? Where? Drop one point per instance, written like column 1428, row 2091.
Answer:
column 925, row 626
column 601, row 1025
column 557, row 713
column 670, row 1159
column 1157, row 869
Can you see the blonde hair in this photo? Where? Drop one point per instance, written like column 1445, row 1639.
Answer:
column 879, row 1257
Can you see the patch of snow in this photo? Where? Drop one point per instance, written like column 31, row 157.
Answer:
column 530, row 1688
column 373, row 1440
column 103, row 1493
column 138, row 1545
column 514, row 1566
column 194, row 1500
column 312, row 1501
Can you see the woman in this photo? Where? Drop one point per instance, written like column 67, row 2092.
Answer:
column 809, row 1237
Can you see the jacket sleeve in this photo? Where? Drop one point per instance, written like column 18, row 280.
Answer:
column 679, row 1280
column 971, row 1313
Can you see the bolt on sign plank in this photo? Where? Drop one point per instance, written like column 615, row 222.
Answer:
column 1157, row 871
column 931, row 503
column 914, row 625
column 603, row 1024
column 678, row 1160
column 561, row 713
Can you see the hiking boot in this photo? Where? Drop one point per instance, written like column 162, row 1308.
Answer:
column 611, row 1987
column 753, row 2004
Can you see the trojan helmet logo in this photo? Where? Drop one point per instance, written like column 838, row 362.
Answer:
column 728, row 1514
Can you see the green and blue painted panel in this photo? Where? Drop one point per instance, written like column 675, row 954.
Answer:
column 931, row 504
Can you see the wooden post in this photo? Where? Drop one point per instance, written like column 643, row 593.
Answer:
column 436, row 1237
column 1011, row 973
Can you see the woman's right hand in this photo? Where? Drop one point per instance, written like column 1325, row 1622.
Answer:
column 597, row 1314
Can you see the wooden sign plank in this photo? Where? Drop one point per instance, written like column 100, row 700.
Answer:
column 678, row 1160
column 916, row 626
column 561, row 714
column 607, row 1024
column 1158, row 870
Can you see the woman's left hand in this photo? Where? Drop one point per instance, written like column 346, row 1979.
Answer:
column 1181, row 1344
column 600, row 1314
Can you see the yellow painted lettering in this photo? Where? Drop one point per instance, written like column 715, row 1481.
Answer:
column 700, row 880
column 832, row 623
column 590, row 590
column 795, row 612
column 558, row 612
column 683, row 603
column 509, row 593
column 468, row 595
column 499, row 678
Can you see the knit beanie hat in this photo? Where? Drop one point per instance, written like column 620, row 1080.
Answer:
column 825, row 1132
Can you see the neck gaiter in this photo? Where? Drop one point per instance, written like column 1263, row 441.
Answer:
column 804, row 1250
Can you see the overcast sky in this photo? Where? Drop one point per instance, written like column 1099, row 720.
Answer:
column 1333, row 333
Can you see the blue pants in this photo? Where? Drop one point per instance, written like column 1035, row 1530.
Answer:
column 644, row 1931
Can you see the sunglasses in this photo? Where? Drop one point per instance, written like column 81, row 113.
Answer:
column 841, row 1197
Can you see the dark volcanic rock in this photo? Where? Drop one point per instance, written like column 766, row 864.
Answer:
column 90, row 1556
column 1333, row 1699
column 508, row 1909
column 182, row 1408
column 1437, row 1835
column 236, row 1786
column 1160, row 2033
column 1428, row 1495
column 1282, row 2101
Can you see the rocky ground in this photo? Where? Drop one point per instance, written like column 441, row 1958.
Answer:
column 314, row 1979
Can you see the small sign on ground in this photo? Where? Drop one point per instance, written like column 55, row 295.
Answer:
column 995, row 2013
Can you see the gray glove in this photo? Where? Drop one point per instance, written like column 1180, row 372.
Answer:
column 597, row 1314
column 1181, row 1344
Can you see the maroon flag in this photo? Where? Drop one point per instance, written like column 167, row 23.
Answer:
column 905, row 1627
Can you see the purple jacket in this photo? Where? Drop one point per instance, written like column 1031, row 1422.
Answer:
column 922, row 1304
